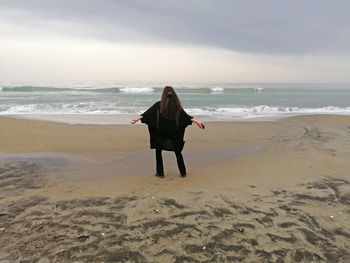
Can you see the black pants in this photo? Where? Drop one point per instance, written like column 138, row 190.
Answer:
column 179, row 158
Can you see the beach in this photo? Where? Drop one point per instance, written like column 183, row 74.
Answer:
column 256, row 191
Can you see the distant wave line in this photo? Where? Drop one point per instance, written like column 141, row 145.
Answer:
column 129, row 89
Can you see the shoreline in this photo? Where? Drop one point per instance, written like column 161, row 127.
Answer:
column 123, row 119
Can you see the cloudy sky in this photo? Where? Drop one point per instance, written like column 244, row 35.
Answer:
column 175, row 41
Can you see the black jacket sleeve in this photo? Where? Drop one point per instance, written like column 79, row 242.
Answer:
column 150, row 116
column 185, row 119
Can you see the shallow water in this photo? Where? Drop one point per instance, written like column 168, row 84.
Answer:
column 73, row 168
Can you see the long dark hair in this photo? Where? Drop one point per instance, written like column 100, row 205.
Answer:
column 169, row 103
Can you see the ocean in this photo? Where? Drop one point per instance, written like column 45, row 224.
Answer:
column 213, row 101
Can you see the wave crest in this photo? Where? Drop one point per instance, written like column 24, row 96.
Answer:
column 264, row 110
column 137, row 90
column 220, row 112
column 217, row 89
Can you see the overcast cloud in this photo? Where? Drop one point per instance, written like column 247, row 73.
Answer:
column 271, row 26
column 266, row 27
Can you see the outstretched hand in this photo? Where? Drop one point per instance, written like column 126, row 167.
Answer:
column 134, row 121
column 200, row 125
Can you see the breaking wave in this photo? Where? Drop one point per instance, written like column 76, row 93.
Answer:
column 263, row 110
column 220, row 112
column 132, row 89
column 137, row 90
column 217, row 89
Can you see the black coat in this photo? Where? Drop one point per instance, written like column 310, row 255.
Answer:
column 162, row 131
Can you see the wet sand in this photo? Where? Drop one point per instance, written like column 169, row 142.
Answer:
column 274, row 191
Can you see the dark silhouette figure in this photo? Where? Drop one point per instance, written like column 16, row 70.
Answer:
column 167, row 121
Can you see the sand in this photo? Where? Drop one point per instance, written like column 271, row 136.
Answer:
column 272, row 191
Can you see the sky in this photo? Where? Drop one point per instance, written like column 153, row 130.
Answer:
column 192, row 41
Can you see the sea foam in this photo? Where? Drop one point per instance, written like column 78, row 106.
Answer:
column 264, row 110
column 217, row 89
column 137, row 90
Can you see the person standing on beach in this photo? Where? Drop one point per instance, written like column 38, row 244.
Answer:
column 167, row 122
